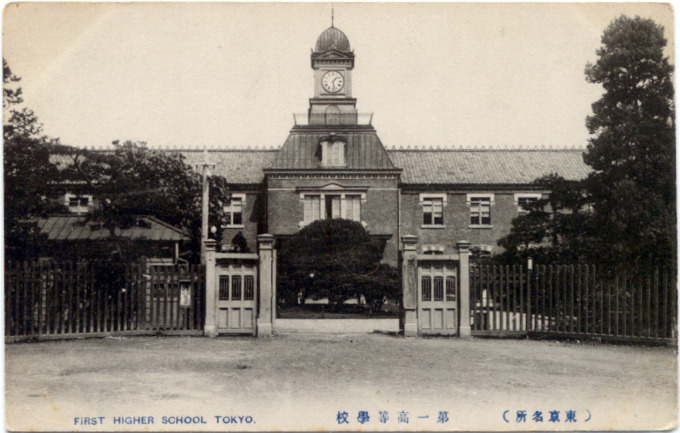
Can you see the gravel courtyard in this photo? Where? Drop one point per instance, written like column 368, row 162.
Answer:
column 302, row 381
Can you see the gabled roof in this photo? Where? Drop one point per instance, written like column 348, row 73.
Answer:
column 364, row 151
column 476, row 167
column 74, row 228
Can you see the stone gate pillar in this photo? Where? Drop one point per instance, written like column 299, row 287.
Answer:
column 464, row 253
column 409, row 284
column 265, row 317
column 210, row 328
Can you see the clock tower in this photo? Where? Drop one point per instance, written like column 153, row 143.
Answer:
column 332, row 62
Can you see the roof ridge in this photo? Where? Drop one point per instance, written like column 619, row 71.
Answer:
column 486, row 149
column 237, row 149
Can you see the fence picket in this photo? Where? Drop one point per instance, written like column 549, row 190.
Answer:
column 531, row 323
column 665, row 303
column 503, row 282
column 609, row 305
column 616, row 305
column 656, row 302
column 649, row 305
column 523, row 326
column 513, row 301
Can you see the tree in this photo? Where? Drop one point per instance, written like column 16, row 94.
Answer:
column 133, row 180
column 334, row 259
column 624, row 211
column 28, row 173
column 632, row 151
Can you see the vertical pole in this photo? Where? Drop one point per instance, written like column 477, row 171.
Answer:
column 409, row 285
column 205, row 209
column 210, row 328
column 265, row 244
column 205, row 197
column 464, row 254
column 530, row 319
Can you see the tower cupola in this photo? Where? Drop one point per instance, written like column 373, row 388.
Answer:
column 332, row 62
column 332, row 39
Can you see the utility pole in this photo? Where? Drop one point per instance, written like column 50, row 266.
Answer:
column 205, row 200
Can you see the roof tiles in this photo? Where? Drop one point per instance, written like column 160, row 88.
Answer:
column 364, row 151
column 75, row 228
column 487, row 166
column 420, row 166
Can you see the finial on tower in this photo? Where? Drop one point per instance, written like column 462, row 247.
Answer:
column 332, row 15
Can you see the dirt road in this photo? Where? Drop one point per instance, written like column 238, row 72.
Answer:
column 305, row 381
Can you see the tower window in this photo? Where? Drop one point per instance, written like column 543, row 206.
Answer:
column 332, row 115
column 333, row 153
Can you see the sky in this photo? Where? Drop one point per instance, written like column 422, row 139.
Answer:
column 230, row 75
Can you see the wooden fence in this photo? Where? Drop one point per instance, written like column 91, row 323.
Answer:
column 574, row 301
column 73, row 299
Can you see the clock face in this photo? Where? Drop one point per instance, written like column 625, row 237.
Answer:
column 333, row 81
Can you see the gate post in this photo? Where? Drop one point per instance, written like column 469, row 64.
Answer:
column 464, row 254
column 210, row 328
column 265, row 244
column 409, row 285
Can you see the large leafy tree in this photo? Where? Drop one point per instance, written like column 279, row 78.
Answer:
column 624, row 212
column 134, row 180
column 28, row 173
column 632, row 149
column 335, row 259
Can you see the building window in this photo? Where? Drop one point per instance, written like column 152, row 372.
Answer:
column 480, row 209
column 433, row 209
column 233, row 211
column 353, row 207
column 331, row 206
column 451, row 287
column 332, row 152
column 433, row 249
column 523, row 202
column 78, row 204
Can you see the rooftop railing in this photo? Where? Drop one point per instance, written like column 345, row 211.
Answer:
column 305, row 119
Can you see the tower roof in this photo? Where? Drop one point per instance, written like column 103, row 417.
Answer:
column 332, row 39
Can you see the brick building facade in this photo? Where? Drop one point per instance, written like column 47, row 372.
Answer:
column 333, row 165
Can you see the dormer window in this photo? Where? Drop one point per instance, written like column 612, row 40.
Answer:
column 333, row 152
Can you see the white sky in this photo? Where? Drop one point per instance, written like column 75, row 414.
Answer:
column 231, row 75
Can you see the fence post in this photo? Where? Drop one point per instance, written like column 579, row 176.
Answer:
column 265, row 243
column 464, row 253
column 210, row 328
column 409, row 285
